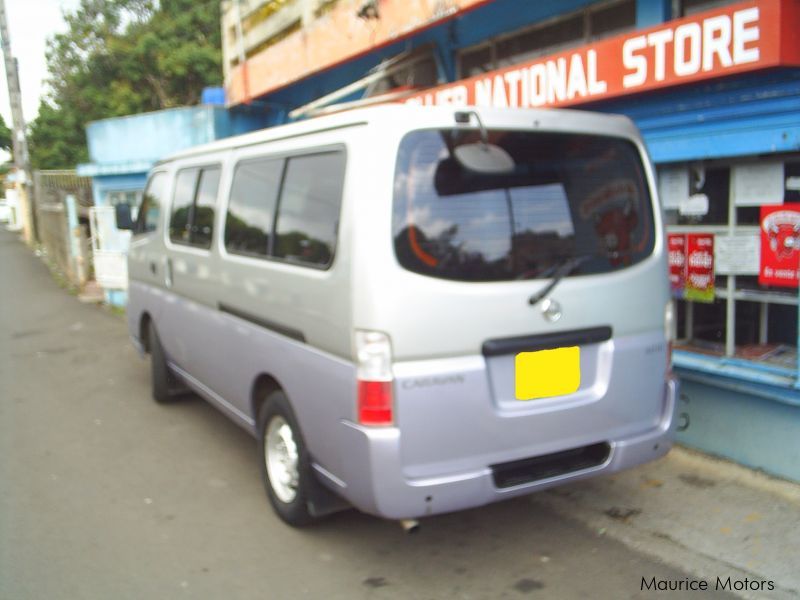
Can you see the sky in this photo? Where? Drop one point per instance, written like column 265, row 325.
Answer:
column 30, row 23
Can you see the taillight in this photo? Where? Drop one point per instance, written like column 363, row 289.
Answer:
column 375, row 402
column 374, row 374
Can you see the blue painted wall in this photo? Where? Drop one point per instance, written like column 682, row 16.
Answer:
column 151, row 136
column 757, row 432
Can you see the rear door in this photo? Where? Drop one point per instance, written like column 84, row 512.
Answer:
column 537, row 297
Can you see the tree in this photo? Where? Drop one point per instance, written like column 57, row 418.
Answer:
column 121, row 57
column 5, row 136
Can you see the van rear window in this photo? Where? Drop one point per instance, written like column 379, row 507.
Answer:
column 566, row 196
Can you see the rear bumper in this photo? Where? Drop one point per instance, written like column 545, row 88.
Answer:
column 374, row 481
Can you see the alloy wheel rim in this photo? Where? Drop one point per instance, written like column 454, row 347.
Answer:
column 281, row 456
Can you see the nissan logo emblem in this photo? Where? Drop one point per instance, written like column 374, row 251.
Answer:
column 551, row 310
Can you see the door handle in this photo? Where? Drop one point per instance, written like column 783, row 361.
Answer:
column 153, row 267
column 168, row 272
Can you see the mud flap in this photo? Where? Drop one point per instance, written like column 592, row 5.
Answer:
column 323, row 501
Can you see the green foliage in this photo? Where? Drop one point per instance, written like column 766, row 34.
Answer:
column 5, row 136
column 121, row 57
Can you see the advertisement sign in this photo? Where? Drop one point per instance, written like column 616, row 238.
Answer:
column 757, row 184
column 780, row 245
column 676, row 248
column 673, row 186
column 699, row 267
column 731, row 39
column 737, row 254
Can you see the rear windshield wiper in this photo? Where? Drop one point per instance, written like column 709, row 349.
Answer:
column 566, row 268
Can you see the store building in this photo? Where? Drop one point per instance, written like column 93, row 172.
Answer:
column 714, row 87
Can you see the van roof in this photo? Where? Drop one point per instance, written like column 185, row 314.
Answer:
column 413, row 115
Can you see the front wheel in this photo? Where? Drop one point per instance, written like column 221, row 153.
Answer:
column 284, row 461
column 164, row 383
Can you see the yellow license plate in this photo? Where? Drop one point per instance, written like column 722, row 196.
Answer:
column 547, row 373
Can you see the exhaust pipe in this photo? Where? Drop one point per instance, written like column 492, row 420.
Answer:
column 409, row 525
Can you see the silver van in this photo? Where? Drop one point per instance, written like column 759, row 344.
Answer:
column 415, row 310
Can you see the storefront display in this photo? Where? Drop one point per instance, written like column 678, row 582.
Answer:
column 699, row 267
column 677, row 263
column 780, row 245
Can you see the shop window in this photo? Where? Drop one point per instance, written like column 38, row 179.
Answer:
column 544, row 40
column 714, row 184
column 752, row 316
column 413, row 69
column 612, row 19
column 477, row 61
column 131, row 198
column 691, row 7
column 791, row 171
column 567, row 31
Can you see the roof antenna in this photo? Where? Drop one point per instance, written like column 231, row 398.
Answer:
column 483, row 157
column 463, row 116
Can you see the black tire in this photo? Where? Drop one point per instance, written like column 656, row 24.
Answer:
column 164, row 382
column 294, row 511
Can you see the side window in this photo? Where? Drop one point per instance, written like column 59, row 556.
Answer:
column 180, row 221
column 203, row 217
column 251, row 210
column 192, row 219
column 308, row 213
column 150, row 209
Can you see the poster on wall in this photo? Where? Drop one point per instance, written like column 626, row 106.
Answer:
column 757, row 184
column 780, row 245
column 737, row 254
column 699, row 267
column 673, row 186
column 676, row 245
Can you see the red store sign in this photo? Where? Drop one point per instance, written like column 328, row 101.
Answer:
column 732, row 39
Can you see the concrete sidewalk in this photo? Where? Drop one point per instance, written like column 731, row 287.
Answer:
column 709, row 517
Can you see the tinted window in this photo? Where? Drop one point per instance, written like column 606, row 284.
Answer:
column 569, row 195
column 308, row 213
column 182, row 199
column 152, row 201
column 203, row 217
column 251, row 210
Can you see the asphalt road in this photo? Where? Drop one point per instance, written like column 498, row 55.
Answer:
column 104, row 494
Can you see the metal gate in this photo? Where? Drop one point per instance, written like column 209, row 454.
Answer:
column 110, row 248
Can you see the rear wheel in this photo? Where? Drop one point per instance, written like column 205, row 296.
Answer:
column 284, row 461
column 164, row 382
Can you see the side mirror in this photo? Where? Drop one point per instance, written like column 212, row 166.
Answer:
column 484, row 158
column 122, row 212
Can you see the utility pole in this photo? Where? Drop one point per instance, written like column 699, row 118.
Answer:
column 18, row 139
